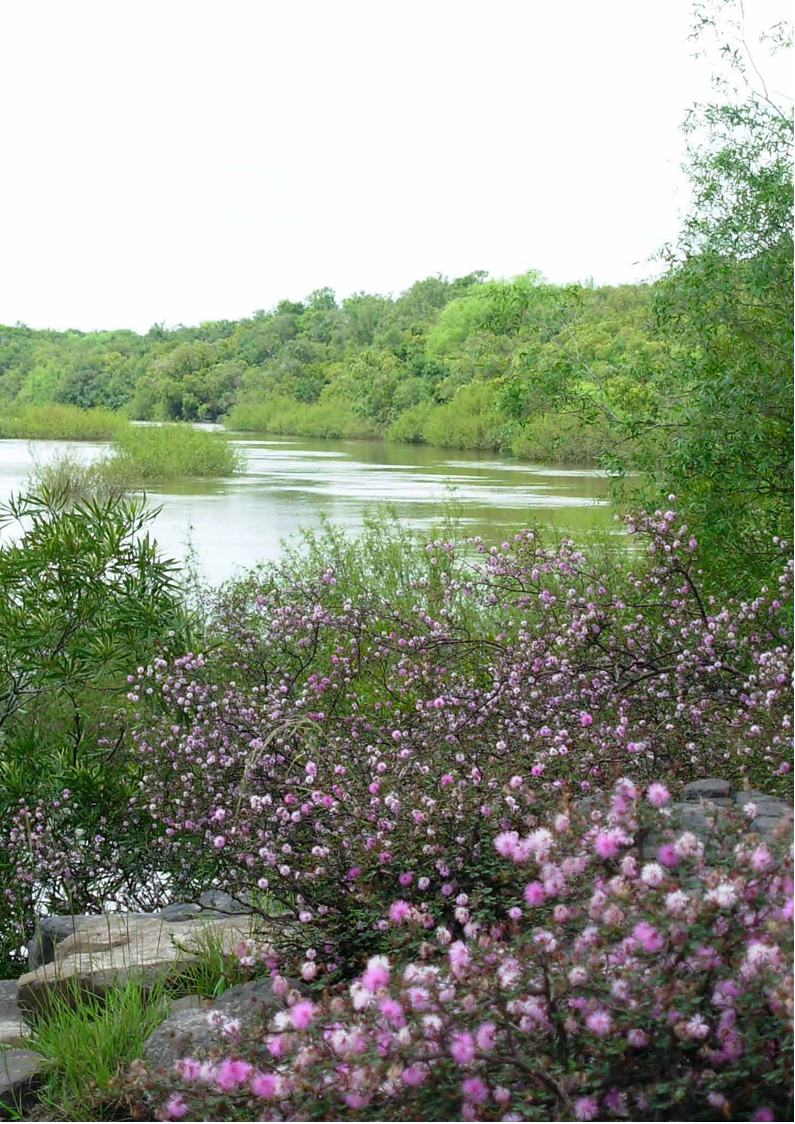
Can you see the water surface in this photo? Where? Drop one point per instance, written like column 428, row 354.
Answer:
column 288, row 484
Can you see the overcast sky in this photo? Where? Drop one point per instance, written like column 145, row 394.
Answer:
column 185, row 161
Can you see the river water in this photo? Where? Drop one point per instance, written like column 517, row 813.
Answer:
column 288, row 484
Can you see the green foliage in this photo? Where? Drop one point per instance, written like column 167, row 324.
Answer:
column 58, row 422
column 163, row 451
column 87, row 1042
column 85, row 597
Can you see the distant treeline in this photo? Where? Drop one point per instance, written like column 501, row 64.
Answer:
column 462, row 363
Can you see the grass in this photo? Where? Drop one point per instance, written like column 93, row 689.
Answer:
column 56, row 422
column 151, row 452
column 86, row 1041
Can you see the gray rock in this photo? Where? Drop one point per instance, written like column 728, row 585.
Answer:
column 709, row 789
column 765, row 825
column 180, row 911
column 50, row 931
column 20, row 1073
column 749, row 796
column 191, row 1033
column 223, row 902
column 114, row 947
column 13, row 1029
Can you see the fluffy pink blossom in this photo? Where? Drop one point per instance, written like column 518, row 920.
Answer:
column 263, row 1085
column 232, row 1073
column 647, row 936
column 599, row 1022
column 657, row 794
column 534, row 893
column 376, row 974
column 586, row 1108
column 302, row 1014
column 176, row 1107
column 398, row 911
column 462, row 1048
column 475, row 1090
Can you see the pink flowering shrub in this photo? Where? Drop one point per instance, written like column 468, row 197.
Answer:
column 350, row 756
column 629, row 989
column 361, row 756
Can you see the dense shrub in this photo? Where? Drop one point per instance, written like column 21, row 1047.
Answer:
column 147, row 452
column 54, row 421
column 613, row 989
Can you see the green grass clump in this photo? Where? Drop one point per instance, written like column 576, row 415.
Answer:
column 151, row 452
column 86, row 1041
column 57, row 422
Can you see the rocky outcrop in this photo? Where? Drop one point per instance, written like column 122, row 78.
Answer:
column 109, row 949
column 20, row 1073
column 198, row 1032
column 13, row 1028
column 51, row 930
column 707, row 802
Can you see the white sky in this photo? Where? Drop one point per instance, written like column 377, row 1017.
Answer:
column 185, row 161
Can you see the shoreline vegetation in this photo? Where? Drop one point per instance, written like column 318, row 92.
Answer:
column 449, row 770
column 139, row 453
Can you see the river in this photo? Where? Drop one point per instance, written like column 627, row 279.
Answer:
column 288, row 484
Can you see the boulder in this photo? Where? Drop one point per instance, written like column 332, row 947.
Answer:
column 13, row 1028
column 112, row 948
column 709, row 789
column 196, row 1033
column 223, row 902
column 20, row 1073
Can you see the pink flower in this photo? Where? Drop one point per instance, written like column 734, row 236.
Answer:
column 175, row 1107
column 398, row 911
column 534, row 893
column 263, row 1085
column 586, row 1108
column 414, row 1074
column 459, row 957
column 231, row 1073
column 505, row 843
column 585, row 718
column 377, row 973
column 667, row 855
column 599, row 1022
column 392, row 1010
column 647, row 936
column 462, row 1048
column 475, row 1090
column 657, row 794
column 484, row 1036
column 607, row 843
column 637, row 1037
column 302, row 1014
column 219, row 841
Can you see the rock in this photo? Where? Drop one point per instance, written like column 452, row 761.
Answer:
column 180, row 911
column 20, row 1072
column 765, row 825
column 50, row 931
column 223, row 902
column 709, row 789
column 13, row 1029
column 114, row 947
column 183, row 1034
column 192, row 1032
column 188, row 1003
